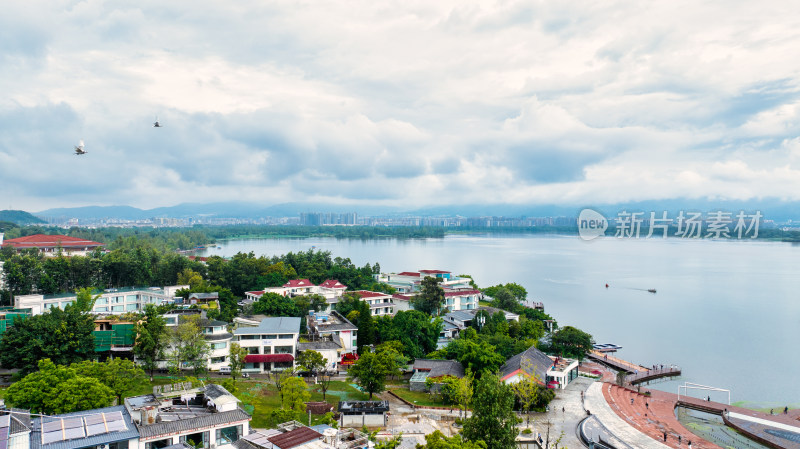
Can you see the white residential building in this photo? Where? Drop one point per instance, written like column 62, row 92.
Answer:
column 112, row 301
column 332, row 290
column 271, row 345
column 215, row 333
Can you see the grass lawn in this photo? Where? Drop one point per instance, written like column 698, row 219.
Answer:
column 420, row 398
column 259, row 398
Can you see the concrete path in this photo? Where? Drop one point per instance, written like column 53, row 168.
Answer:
column 597, row 404
column 765, row 422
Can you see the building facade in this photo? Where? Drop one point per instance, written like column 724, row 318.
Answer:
column 271, row 345
column 112, row 301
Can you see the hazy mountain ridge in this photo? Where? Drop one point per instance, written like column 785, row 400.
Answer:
column 19, row 217
column 771, row 209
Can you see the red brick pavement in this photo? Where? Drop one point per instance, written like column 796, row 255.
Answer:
column 654, row 419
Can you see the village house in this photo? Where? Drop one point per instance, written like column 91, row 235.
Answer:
column 332, row 290
column 271, row 345
column 552, row 371
column 436, row 370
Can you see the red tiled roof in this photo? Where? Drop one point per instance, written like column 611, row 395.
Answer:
column 403, row 297
column 368, row 294
column 434, row 271
column 258, row 358
column 462, row 293
column 296, row 437
column 332, row 283
column 50, row 241
column 299, row 283
column 258, row 293
column 408, row 273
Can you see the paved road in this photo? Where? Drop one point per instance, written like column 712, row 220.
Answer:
column 565, row 413
column 597, row 404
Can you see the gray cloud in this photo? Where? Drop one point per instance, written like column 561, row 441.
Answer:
column 397, row 103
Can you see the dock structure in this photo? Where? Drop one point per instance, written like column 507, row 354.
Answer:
column 636, row 373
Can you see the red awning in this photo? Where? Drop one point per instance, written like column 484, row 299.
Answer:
column 267, row 358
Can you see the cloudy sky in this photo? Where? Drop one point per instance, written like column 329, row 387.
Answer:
column 405, row 103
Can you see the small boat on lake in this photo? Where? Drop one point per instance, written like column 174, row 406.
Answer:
column 651, row 290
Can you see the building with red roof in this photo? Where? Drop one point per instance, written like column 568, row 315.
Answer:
column 51, row 245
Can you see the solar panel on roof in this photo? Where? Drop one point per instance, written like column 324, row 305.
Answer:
column 75, row 432
column 3, row 437
column 117, row 426
column 52, row 426
column 73, row 423
column 52, row 437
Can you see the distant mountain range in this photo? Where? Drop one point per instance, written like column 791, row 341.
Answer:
column 771, row 209
column 19, row 217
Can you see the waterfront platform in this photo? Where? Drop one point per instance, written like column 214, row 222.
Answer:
column 655, row 415
column 637, row 374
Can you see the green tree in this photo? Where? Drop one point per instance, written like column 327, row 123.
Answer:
column 527, row 393
column 504, row 299
column 294, row 393
column 437, row 440
column 58, row 389
column 151, row 339
column 430, row 299
column 236, row 357
column 493, row 419
column 312, row 361
column 63, row 336
column 414, row 329
column 372, row 369
column 189, row 346
column 572, row 342
column 121, row 375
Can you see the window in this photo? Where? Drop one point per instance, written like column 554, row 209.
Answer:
column 171, row 320
column 219, row 345
column 253, row 350
column 248, row 337
column 256, row 365
column 269, row 337
column 199, row 439
column 131, row 307
column 158, row 444
column 132, row 298
column 101, row 300
column 228, row 435
column 119, row 445
column 117, row 308
column 283, row 349
column 218, row 359
column 285, row 336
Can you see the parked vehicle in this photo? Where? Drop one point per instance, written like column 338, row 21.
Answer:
column 225, row 370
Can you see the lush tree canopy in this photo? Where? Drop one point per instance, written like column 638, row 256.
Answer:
column 372, row 369
column 571, row 342
column 417, row 332
column 151, row 339
column 58, row 389
column 493, row 420
column 430, row 298
column 63, row 336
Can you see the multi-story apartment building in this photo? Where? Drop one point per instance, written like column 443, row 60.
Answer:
column 112, row 301
column 215, row 333
column 271, row 345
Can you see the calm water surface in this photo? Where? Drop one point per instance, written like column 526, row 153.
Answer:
column 727, row 312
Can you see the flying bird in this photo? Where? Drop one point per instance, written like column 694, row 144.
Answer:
column 79, row 149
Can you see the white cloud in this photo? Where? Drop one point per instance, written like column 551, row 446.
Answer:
column 401, row 103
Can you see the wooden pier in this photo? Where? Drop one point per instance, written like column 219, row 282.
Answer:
column 636, row 373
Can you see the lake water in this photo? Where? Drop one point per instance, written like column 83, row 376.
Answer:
column 727, row 312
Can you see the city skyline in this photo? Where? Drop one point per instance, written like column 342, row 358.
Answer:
column 404, row 105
